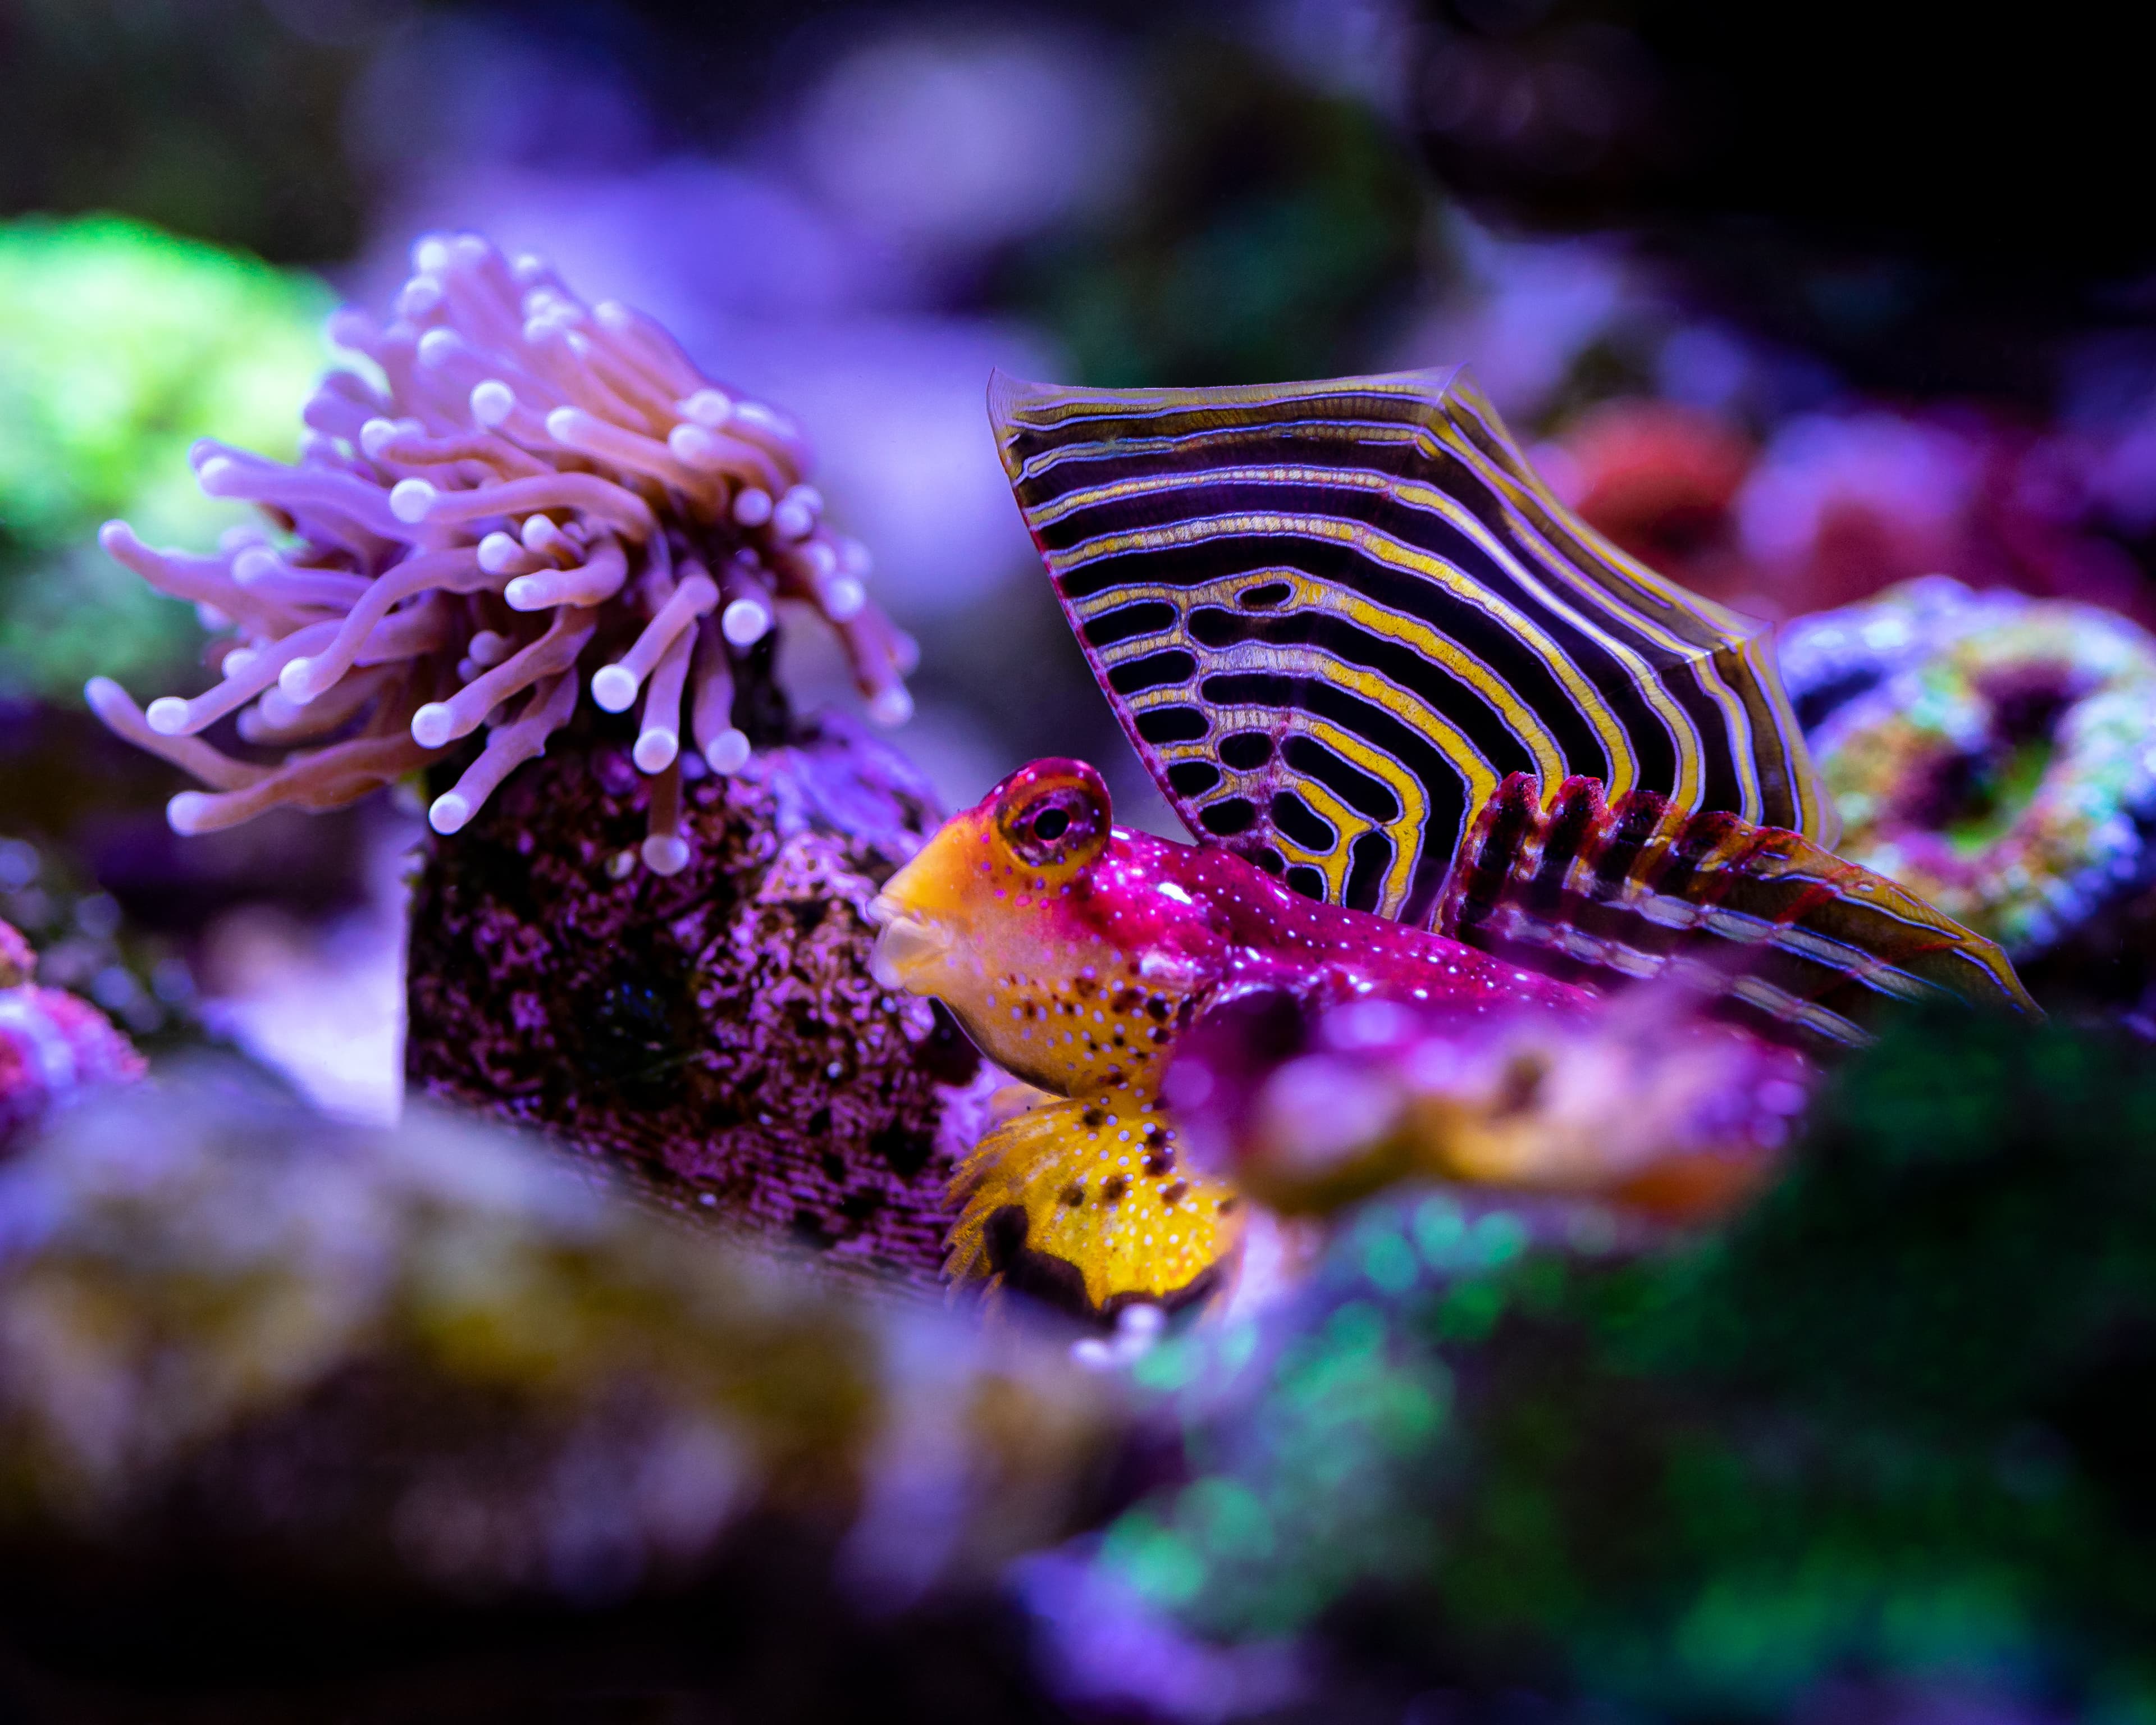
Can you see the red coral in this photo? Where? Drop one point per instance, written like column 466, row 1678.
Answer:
column 1660, row 480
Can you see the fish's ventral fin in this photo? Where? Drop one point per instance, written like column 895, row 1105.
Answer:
column 1087, row 1204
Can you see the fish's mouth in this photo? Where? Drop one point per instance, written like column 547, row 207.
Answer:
column 905, row 945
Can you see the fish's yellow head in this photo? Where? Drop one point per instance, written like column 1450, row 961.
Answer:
column 990, row 917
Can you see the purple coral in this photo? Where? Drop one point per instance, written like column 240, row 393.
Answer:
column 528, row 487
column 52, row 1046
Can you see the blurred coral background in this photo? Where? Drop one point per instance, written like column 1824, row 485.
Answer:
column 1790, row 376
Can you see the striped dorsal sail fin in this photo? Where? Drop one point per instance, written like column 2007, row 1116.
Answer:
column 1784, row 935
column 1333, row 617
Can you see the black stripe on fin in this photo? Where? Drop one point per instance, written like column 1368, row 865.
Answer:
column 1366, row 572
column 1789, row 938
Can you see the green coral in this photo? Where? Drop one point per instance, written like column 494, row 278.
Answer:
column 1891, row 1425
column 119, row 346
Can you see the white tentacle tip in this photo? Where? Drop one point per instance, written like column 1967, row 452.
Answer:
column 499, row 552
column 434, row 725
column 693, row 446
column 438, row 347
column 666, row 854
column 710, row 408
column 744, row 623
column 430, row 254
column 449, row 812
column 492, row 402
column 255, row 564
column 566, row 425
column 296, row 680
column 614, row 686
column 753, row 508
column 167, row 716
column 527, row 593
column 277, row 709
column 409, row 500
column 188, row 812
column 727, row 751
column 420, row 297
column 351, row 329
column 891, row 706
column 106, row 698
column 844, row 598
column 655, row 751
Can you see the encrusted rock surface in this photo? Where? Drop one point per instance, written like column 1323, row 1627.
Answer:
column 714, row 1034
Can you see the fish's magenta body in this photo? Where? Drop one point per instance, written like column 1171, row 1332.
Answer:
column 1042, row 959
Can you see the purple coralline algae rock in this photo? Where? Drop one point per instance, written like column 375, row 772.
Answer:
column 52, row 1046
column 714, row 1033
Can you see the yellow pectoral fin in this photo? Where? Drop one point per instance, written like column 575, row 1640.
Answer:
column 1101, row 1188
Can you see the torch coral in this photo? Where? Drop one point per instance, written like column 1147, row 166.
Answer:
column 531, row 487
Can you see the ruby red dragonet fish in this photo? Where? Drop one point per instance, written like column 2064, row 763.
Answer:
column 1438, row 741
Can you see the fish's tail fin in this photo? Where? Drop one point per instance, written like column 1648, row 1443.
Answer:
column 1784, row 935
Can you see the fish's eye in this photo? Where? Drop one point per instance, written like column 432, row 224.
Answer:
column 1054, row 814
